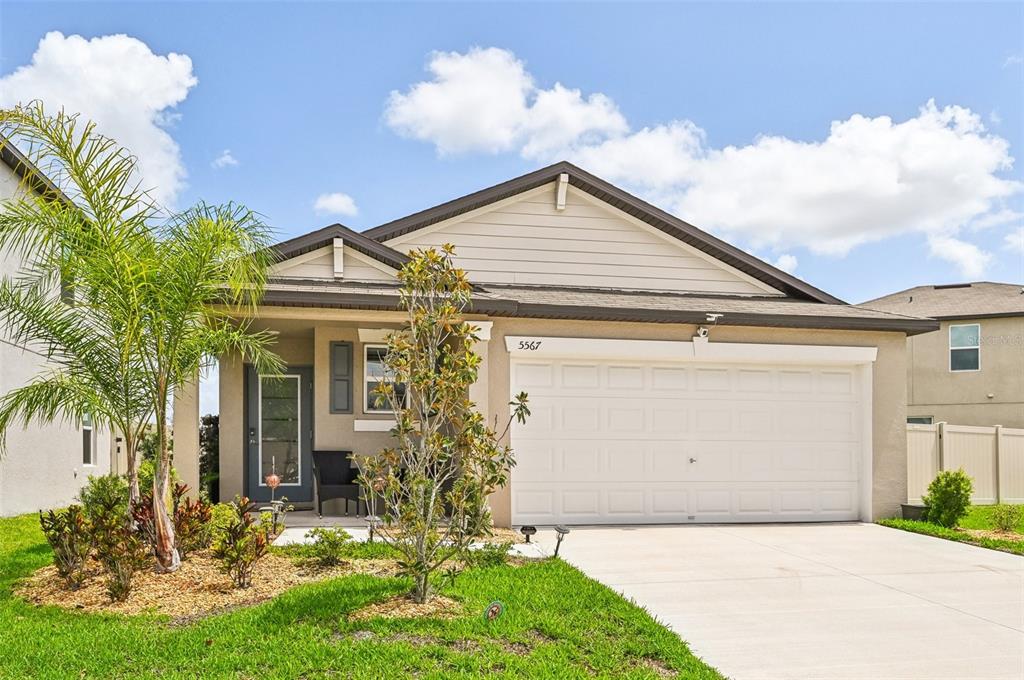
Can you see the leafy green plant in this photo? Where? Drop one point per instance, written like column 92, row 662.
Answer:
column 221, row 515
column 240, row 543
column 101, row 492
column 434, row 481
column 67, row 532
column 948, row 498
column 327, row 547
column 1006, row 518
column 119, row 547
column 488, row 555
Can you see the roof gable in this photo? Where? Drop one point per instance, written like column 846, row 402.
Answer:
column 558, row 235
column 621, row 200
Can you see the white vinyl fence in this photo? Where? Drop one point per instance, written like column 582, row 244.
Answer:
column 992, row 456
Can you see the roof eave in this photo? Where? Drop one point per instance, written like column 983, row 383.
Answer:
column 511, row 308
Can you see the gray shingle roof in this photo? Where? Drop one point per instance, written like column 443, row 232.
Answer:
column 957, row 301
column 608, row 305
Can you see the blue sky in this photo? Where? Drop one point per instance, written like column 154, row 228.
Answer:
column 300, row 95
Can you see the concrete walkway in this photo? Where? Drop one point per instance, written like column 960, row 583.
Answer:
column 818, row 601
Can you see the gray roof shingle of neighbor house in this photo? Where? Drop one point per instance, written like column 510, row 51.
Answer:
column 975, row 300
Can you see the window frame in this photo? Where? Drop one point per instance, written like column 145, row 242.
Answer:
column 918, row 420
column 367, row 406
column 951, row 348
column 89, row 427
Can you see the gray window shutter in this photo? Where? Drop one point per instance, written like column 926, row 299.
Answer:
column 341, row 377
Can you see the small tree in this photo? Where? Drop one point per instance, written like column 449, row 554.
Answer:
column 433, row 484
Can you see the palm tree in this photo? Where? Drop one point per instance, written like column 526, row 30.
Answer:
column 206, row 254
column 153, row 299
column 81, row 237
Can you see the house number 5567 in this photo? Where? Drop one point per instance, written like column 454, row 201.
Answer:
column 529, row 344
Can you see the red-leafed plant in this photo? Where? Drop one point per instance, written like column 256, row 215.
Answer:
column 67, row 532
column 240, row 543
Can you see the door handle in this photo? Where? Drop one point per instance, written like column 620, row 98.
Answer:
column 252, row 436
column 693, row 460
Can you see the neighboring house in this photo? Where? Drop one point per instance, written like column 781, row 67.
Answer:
column 45, row 465
column 970, row 372
column 672, row 377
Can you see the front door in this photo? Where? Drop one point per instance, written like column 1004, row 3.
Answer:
column 279, row 433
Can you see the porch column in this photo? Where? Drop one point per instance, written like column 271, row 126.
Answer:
column 186, row 434
column 478, row 393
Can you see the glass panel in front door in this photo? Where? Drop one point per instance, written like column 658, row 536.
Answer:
column 280, row 444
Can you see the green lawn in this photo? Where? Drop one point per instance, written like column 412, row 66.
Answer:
column 979, row 517
column 557, row 624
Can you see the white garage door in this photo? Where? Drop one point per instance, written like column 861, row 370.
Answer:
column 646, row 442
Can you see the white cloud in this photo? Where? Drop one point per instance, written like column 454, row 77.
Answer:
column 1014, row 241
column 968, row 258
column 868, row 179
column 994, row 117
column 335, row 203
column 786, row 263
column 485, row 100
column 120, row 84
column 1013, row 60
column 225, row 159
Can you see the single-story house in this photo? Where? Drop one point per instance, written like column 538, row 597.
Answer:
column 672, row 376
column 971, row 371
column 45, row 464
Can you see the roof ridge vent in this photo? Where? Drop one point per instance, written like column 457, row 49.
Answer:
column 951, row 285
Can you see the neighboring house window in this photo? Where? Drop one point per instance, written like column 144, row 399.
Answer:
column 88, row 441
column 919, row 420
column 965, row 347
column 341, row 377
column 374, row 375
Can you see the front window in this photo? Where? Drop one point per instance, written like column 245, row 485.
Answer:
column 965, row 347
column 375, row 373
column 88, row 441
column 919, row 420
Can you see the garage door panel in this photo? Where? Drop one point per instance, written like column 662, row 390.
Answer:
column 621, row 441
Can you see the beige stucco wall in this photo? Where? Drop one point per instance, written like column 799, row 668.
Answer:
column 42, row 466
column 889, row 487
column 962, row 397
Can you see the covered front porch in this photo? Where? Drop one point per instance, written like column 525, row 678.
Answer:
column 320, row 407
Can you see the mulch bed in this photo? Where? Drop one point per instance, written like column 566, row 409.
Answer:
column 993, row 533
column 196, row 590
column 401, row 607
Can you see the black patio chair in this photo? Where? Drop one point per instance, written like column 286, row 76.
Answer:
column 335, row 477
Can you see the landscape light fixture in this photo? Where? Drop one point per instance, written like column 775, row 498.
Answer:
column 527, row 531
column 562, row 532
column 372, row 522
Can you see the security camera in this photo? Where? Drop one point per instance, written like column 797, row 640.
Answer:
column 713, row 317
column 702, row 331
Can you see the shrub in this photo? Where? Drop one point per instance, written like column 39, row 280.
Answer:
column 221, row 515
column 192, row 522
column 119, row 548
column 147, row 470
column 240, row 544
column 142, row 517
column 67, row 532
column 327, row 549
column 948, row 498
column 1007, row 517
column 488, row 555
column 104, row 492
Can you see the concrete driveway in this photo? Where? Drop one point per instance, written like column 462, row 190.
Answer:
column 819, row 601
